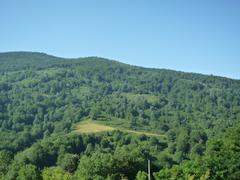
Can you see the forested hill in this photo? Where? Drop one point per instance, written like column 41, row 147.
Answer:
column 42, row 98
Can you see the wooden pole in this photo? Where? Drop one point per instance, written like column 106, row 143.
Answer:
column 149, row 170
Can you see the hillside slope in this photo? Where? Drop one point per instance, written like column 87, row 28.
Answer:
column 42, row 96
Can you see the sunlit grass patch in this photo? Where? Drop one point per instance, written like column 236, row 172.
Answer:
column 92, row 127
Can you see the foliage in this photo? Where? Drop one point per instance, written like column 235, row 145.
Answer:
column 141, row 175
column 43, row 97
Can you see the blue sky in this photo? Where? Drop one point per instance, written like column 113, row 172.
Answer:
column 194, row 36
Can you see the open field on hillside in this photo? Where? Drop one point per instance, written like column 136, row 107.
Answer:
column 92, row 127
column 89, row 127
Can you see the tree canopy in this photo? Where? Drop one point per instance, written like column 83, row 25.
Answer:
column 42, row 98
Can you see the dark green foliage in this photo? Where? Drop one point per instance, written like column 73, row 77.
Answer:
column 221, row 161
column 43, row 97
column 124, row 162
column 68, row 162
column 28, row 172
column 5, row 160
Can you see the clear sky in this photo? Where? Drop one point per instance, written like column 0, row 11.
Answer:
column 194, row 36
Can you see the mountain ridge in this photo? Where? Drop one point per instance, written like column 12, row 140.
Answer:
column 41, row 55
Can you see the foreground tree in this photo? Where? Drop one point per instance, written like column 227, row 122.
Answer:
column 55, row 173
column 28, row 172
column 141, row 175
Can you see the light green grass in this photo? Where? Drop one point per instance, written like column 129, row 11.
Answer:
column 90, row 126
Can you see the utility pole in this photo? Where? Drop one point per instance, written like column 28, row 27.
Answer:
column 149, row 170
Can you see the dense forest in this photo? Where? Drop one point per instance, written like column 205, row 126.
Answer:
column 43, row 98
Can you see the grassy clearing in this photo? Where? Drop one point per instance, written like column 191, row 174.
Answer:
column 92, row 127
column 89, row 126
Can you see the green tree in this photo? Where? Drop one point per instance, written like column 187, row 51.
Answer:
column 96, row 166
column 141, row 175
column 55, row 173
column 5, row 160
column 68, row 162
column 28, row 172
